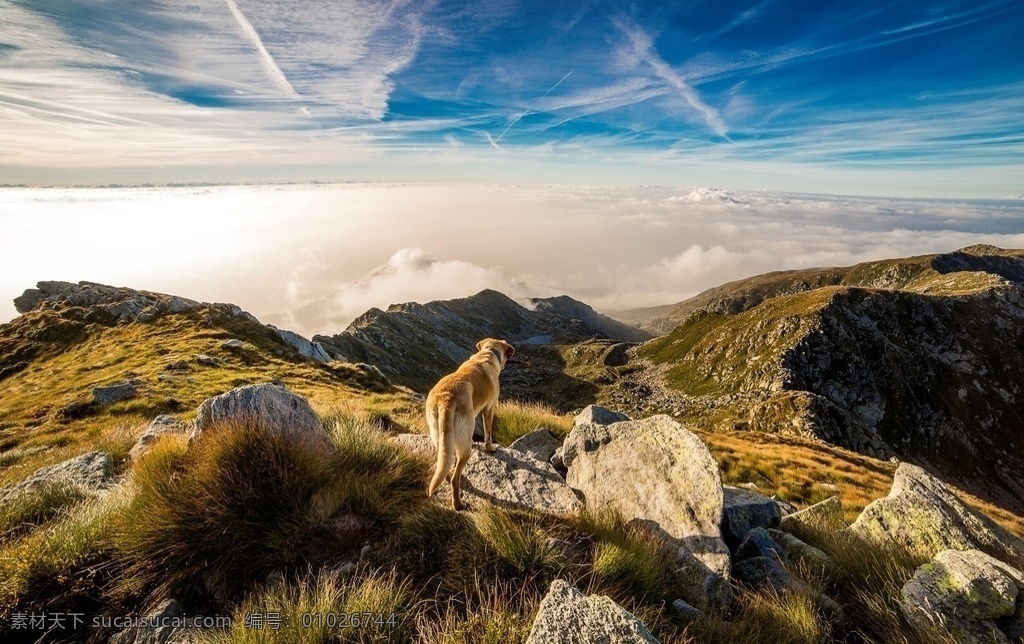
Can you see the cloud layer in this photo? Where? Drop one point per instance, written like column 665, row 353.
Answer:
column 312, row 258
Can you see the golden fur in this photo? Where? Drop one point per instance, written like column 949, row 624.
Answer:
column 453, row 405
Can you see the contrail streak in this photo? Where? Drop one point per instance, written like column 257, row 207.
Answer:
column 494, row 142
column 269, row 65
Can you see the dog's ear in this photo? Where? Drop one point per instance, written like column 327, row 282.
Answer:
column 509, row 350
column 480, row 345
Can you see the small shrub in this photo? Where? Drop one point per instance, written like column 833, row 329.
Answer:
column 771, row 618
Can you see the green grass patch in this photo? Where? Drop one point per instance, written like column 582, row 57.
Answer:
column 515, row 419
column 26, row 511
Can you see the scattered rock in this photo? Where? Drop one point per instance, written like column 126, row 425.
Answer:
column 157, row 628
column 177, row 365
column 923, row 516
column 744, row 510
column 539, row 444
column 91, row 472
column 657, row 471
column 758, row 572
column 566, row 616
column 233, row 343
column 687, row 611
column 758, row 543
column 968, row 595
column 204, row 359
column 272, row 406
column 418, row 444
column 824, row 516
column 111, row 394
column 796, row 550
column 160, row 426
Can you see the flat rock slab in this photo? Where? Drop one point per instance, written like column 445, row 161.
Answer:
column 270, row 405
column 504, row 477
column 657, row 471
column 567, row 616
column 539, row 444
column 111, row 394
column 968, row 595
column 923, row 516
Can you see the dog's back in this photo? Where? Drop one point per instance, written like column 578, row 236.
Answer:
column 453, row 404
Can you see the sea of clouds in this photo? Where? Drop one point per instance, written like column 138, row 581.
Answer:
column 313, row 257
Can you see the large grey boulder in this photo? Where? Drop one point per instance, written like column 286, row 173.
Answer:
column 567, row 616
column 658, row 472
column 744, row 510
column 967, row 595
column 89, row 473
column 504, row 477
column 923, row 516
column 160, row 426
column 796, row 550
column 598, row 415
column 539, row 444
column 823, row 516
column 272, row 406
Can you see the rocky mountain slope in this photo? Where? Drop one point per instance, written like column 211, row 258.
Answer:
column 924, row 365
column 904, row 273
column 415, row 344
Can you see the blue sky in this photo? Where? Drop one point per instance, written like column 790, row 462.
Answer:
column 898, row 98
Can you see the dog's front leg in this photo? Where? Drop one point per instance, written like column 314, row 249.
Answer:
column 488, row 415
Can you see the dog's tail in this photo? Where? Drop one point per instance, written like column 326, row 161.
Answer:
column 445, row 450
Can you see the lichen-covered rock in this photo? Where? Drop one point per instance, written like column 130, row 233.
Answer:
column 270, row 405
column 823, row 516
column 566, row 616
column 658, row 472
column 796, row 550
column 91, row 472
column 160, row 426
column 539, row 444
column 111, row 394
column 923, row 516
column 744, row 510
column 966, row 594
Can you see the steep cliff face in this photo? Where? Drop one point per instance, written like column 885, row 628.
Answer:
column 929, row 371
column 416, row 344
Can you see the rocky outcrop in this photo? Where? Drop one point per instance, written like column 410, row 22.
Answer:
column 88, row 473
column 270, row 405
column 567, row 616
column 112, row 303
column 570, row 309
column 312, row 350
column 658, row 472
column 415, row 344
column 923, row 516
column 967, row 595
column 504, row 477
column 159, row 427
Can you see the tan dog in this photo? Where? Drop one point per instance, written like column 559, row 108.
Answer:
column 453, row 405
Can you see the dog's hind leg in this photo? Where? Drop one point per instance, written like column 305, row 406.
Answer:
column 488, row 417
column 462, row 454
